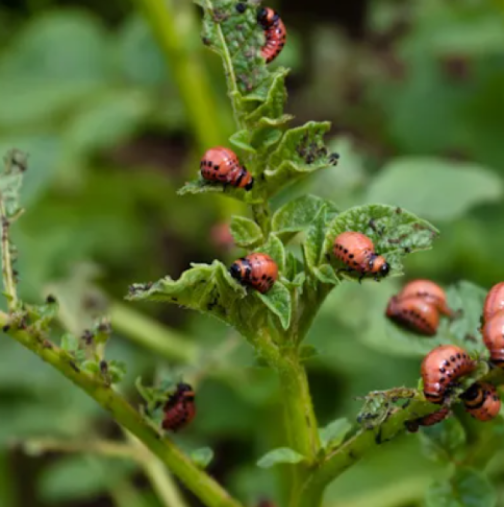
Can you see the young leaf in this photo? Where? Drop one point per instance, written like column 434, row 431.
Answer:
column 275, row 249
column 278, row 300
column 334, row 433
column 280, row 456
column 69, row 343
column 300, row 152
column 202, row 457
column 11, row 180
column 241, row 140
column 116, row 370
column 91, row 365
column 394, row 232
column 273, row 106
column 298, row 215
column 237, row 38
column 315, row 237
column 246, row 232
column 467, row 488
column 445, row 441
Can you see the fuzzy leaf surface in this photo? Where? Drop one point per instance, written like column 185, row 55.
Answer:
column 280, row 456
column 394, row 232
column 300, row 152
column 278, row 300
column 245, row 232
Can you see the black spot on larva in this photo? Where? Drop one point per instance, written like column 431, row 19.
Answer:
column 442, row 370
column 452, row 358
column 441, row 380
column 345, row 250
column 458, row 356
column 351, row 256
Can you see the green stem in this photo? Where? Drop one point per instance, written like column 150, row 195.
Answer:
column 233, row 91
column 7, row 273
column 150, row 334
column 337, row 461
column 173, row 26
column 262, row 216
column 196, row 480
column 161, row 480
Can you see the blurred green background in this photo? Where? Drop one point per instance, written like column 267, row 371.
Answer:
column 102, row 96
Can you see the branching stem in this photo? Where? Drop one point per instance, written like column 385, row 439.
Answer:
column 201, row 484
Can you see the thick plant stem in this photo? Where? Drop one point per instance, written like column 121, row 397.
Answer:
column 171, row 26
column 151, row 335
column 201, row 484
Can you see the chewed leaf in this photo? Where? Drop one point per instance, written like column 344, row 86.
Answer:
column 204, row 287
column 280, row 456
column 238, row 38
column 394, row 232
column 201, row 186
column 278, row 300
column 245, row 232
column 301, row 151
column 210, row 288
column 297, row 215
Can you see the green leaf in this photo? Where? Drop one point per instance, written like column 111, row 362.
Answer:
column 202, row 457
column 246, row 232
column 117, row 370
column 238, row 39
column 278, row 300
column 467, row 488
column 273, row 106
column 426, row 186
column 92, row 366
column 300, row 152
column 241, row 140
column 334, row 433
column 297, row 215
column 201, row 186
column 43, row 315
column 11, row 180
column 394, row 232
column 314, row 242
column 444, row 442
column 280, row 456
column 69, row 342
column 465, row 299
column 275, row 249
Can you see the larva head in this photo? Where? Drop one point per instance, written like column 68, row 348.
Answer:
column 185, row 391
column 266, row 17
column 379, row 266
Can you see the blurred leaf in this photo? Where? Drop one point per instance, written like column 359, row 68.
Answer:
column 201, row 186
column 69, row 342
column 202, row 457
column 140, row 57
column 465, row 298
column 34, row 87
column 467, row 488
column 334, row 433
column 110, row 118
column 278, row 300
column 245, row 232
column 74, row 477
column 426, row 186
column 298, row 214
column 300, row 152
column 394, row 232
column 307, row 352
column 444, row 442
column 117, row 370
column 280, row 456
